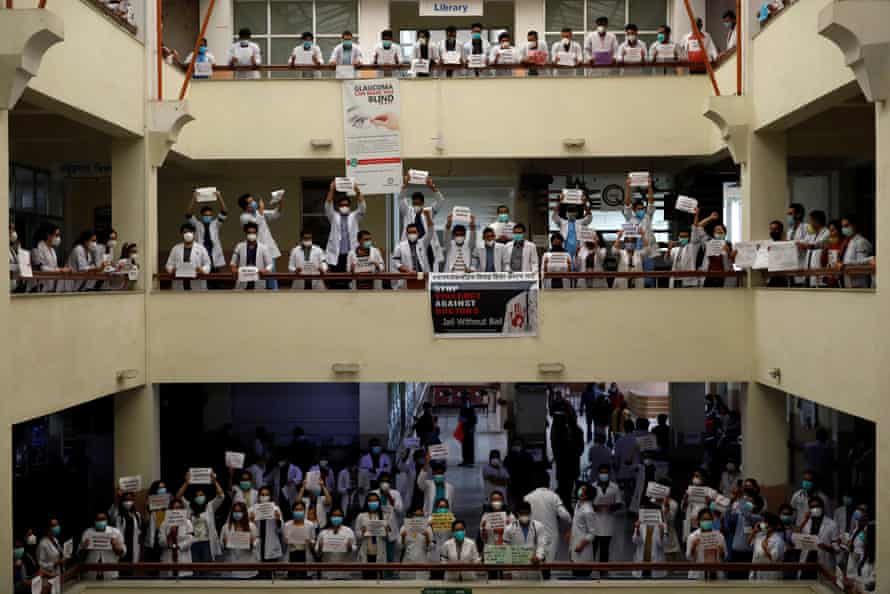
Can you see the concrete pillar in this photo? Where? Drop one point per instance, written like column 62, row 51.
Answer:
column 5, row 423
column 764, row 183
column 137, row 434
column 528, row 16
column 765, row 442
column 373, row 17
column 373, row 412
column 130, row 173
column 219, row 29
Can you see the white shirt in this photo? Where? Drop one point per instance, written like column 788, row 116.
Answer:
column 664, row 52
column 303, row 57
column 393, row 55
column 245, row 53
column 264, row 235
column 504, row 55
column 468, row 50
column 577, row 54
column 631, row 54
column 337, row 55
column 603, row 45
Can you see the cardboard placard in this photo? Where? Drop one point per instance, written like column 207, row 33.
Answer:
column 650, row 516
column 99, row 543
column 686, row 204
column 201, row 476
column 375, row 528
column 506, row 56
column 494, row 520
column 344, row 184
column 657, row 491
column 264, row 511
column 715, row 247
column 238, row 540
column 460, row 215
column 364, row 265
column 248, row 274
column 158, row 502
column 639, row 179
column 667, row 53
column 633, row 55
column 334, row 543
column 186, row 270
column 234, row 460
column 176, row 516
column 647, row 443
column 438, row 452
column 415, row 525
column 205, row 194
column 130, row 484
column 442, row 522
column 418, row 177
column 572, row 196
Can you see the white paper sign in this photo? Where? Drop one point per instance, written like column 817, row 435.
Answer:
column 558, row 262
column 411, row 443
column 130, row 484
column 565, row 58
column 420, row 66
column 417, row 177
column 694, row 46
column 639, row 179
column 586, row 235
column 438, row 452
column 133, row 274
column 264, row 511
column 186, row 270
column 200, row 476
column 657, row 491
column 99, row 543
column 38, row 583
column 686, row 204
column 68, row 549
column 476, row 61
column 203, row 69
column 205, row 194
column 234, row 460
column 715, row 247
column 238, row 540
column 494, row 520
column 746, row 253
column 709, row 540
column 415, row 525
column 647, row 443
column 722, row 502
column 376, row 528
column 783, row 255
column 506, row 56
column 460, row 215
column 604, row 499
column 452, row 58
column 276, row 197
column 698, row 494
column 176, row 516
column 334, row 543
column 630, row 230
column 805, row 542
column 650, row 516
column 667, row 53
column 313, row 479
column 761, row 260
column 573, row 196
column 24, row 263
column 345, row 184
column 248, row 274
column 158, row 502
column 344, row 71
column 633, row 55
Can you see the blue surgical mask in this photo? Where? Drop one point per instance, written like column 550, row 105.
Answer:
column 847, row 231
column 712, row 506
column 336, row 521
column 459, row 535
column 787, row 519
column 245, row 485
column 347, row 44
column 684, row 241
column 307, row 45
column 367, row 244
column 162, row 490
column 200, row 500
column 373, row 505
column 254, row 206
column 477, row 35
column 661, row 37
column 202, row 50
column 101, row 525
column 807, row 485
column 518, row 237
column 640, row 214
column 441, row 510
column 747, row 506
column 503, row 217
column 387, row 44
column 18, row 552
column 790, row 220
column 207, row 219
column 857, row 515
column 604, row 477
column 298, row 515
column 237, row 516
column 720, row 236
column 56, row 530
column 707, row 525
column 439, row 478
column 376, row 450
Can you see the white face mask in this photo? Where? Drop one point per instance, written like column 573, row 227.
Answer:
column 489, row 243
column 459, row 240
column 697, row 482
column 566, row 43
column 57, row 241
column 524, row 520
column 816, row 512
column 134, row 258
column 128, row 504
column 533, row 44
column 264, row 499
column 13, row 237
column 251, row 237
column 631, row 37
column 497, row 505
column 188, row 237
column 91, row 245
column 412, row 237
column 344, row 210
column 32, row 540
column 307, row 243
column 601, row 29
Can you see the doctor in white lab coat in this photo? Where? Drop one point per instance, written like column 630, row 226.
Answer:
column 82, row 259
column 192, row 253
column 476, row 45
column 255, row 211
column 208, row 229
column 817, row 522
column 343, row 237
column 459, row 549
column 489, row 255
column 648, row 541
column 858, row 252
column 413, row 209
column 386, row 52
column 683, row 256
column 591, row 258
column 347, row 52
column 410, row 255
column 364, row 255
column 574, row 55
column 459, row 253
column 450, row 50
column 89, row 542
column 252, row 253
column 307, row 258
column 630, row 259
column 306, row 53
column 521, row 252
column 245, row 52
column 547, row 508
column 434, row 487
column 44, row 257
column 571, row 219
column 268, row 544
column 531, row 534
column 814, row 243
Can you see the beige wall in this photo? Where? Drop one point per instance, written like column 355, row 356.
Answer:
column 592, row 333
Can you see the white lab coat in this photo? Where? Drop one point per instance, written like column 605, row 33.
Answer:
column 117, row 520
column 364, row 542
column 503, row 55
column 564, row 225
column 80, row 260
column 465, row 251
column 50, row 554
column 604, row 521
column 480, row 259
column 490, row 536
column 391, row 511
column 656, row 553
column 298, row 262
column 416, row 547
column 684, row 258
column 428, row 486
column 664, row 52
column 630, row 261
column 529, row 257
column 294, row 475
column 406, row 210
column 272, row 550
column 209, row 516
column 710, row 49
column 354, row 218
column 103, row 556
column 317, row 504
column 548, row 509
column 402, row 256
column 442, row 50
column 730, row 39
column 263, row 261
column 536, row 538
column 374, row 257
column 327, row 476
column 644, row 224
column 198, row 257
column 599, row 258
column 45, row 258
column 621, row 54
column 185, row 537
column 240, row 555
column 800, row 502
column 545, row 267
column 776, row 546
column 798, row 233
column 671, row 542
column 393, row 55
column 606, row 44
column 264, row 235
column 468, row 51
column 574, row 49
column 699, row 556
column 245, row 53
column 583, row 530
column 217, row 257
column 690, row 520
column 527, row 48
column 153, row 521
column 433, row 52
column 828, row 535
column 307, row 545
column 303, row 57
column 813, row 257
column 857, row 253
column 465, row 552
column 356, row 57
column 346, row 557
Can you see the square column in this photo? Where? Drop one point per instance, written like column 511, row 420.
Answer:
column 131, row 174
column 137, row 434
column 764, row 183
column 765, row 445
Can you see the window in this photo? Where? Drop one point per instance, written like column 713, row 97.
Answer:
column 581, row 16
column 277, row 25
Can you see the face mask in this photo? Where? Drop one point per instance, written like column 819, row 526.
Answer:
column 441, row 510
column 747, row 506
column 532, row 44
column 764, row 527
column 101, row 525
column 201, row 500
column 661, row 37
column 384, row 486
column 347, row 45
column 720, row 236
column 387, row 44
column 459, row 240
column 127, row 504
column 775, row 235
column 790, row 220
column 632, row 38
column 307, row 45
column 18, row 553
column 601, row 29
column 57, row 241
column 91, row 245
column 245, row 485
column 367, row 244
column 202, row 50
column 188, row 237
column 162, row 490
column 459, row 535
column 237, row 516
column 307, row 243
column 264, row 498
column 640, row 214
column 373, row 505
column 684, row 241
column 497, row 505
column 707, row 525
column 31, row 540
column 581, row 493
column 439, row 478
column 13, row 237
column 207, row 219
column 727, row 24
column 816, row 512
column 56, row 530
column 604, row 477
column 807, row 485
column 376, row 449
column 518, row 237
column 412, row 237
column 857, row 515
column 847, row 231
column 787, row 519
column 253, row 207
column 697, row 481
column 477, row 36
column 251, row 237
column 505, row 44
column 504, row 217
column 336, row 521
column 848, row 500
column 712, row 506
column 299, row 515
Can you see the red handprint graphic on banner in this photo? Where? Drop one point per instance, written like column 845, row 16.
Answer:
column 517, row 318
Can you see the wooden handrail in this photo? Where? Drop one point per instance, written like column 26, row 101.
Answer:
column 78, row 276
column 448, row 67
column 293, row 276
column 650, row 274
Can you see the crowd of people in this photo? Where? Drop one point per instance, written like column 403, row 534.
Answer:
column 278, row 505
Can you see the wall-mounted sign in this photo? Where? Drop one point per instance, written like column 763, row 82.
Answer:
column 456, row 8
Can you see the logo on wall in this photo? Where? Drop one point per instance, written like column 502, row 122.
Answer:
column 612, row 196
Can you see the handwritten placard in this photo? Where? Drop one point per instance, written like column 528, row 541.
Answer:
column 248, row 274
column 334, row 543
column 176, row 516
column 573, row 196
column 630, row 230
column 68, row 549
column 205, row 194
column 537, row 57
column 438, row 452
column 238, row 540
column 476, row 61
column 715, row 247
column 604, row 499
column 201, row 476
column 586, row 235
column 639, row 179
column 452, row 58
column 558, row 262
column 633, row 55
column 647, row 443
column 698, row 494
column 783, row 255
column 709, row 540
column 158, row 502
column 234, row 460
column 186, row 270
column 24, row 264
column 420, row 66
column 746, row 253
column 295, row 534
column 494, row 520
column 657, row 491
column 375, row 528
column 650, row 516
column 418, row 177
column 461, row 215
column 99, row 543
column 442, row 522
column 130, row 484
column 264, row 511
column 805, row 542
column 496, row 554
column 276, row 197
column 313, row 479
column 686, row 204
column 415, row 525
column 722, row 503
column 344, row 184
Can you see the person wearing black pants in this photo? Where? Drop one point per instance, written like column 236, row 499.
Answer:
column 344, row 221
column 467, row 417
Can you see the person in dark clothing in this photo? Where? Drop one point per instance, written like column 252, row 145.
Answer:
column 467, row 417
column 662, row 434
column 519, row 464
column 567, row 443
column 302, row 451
column 588, row 408
column 602, row 417
column 424, row 425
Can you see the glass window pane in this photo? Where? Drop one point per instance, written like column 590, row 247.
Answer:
column 336, row 16
column 291, row 18
column 24, row 188
column 614, row 10
column 281, row 50
column 41, row 193
column 252, row 15
column 648, row 14
column 327, row 45
column 564, row 13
